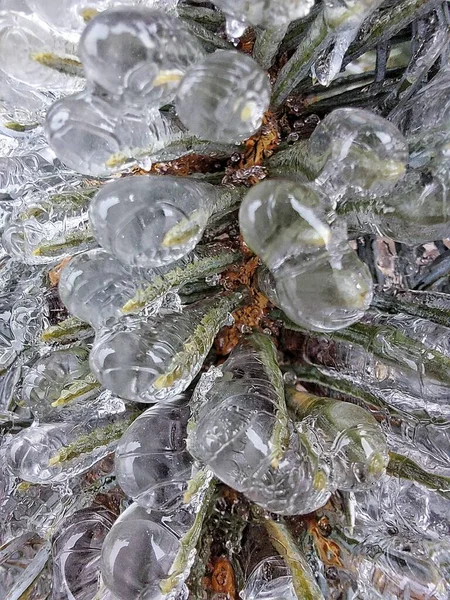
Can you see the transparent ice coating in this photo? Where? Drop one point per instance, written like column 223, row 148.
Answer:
column 224, row 97
column 152, row 464
column 22, row 36
column 96, row 137
column 349, row 436
column 416, row 211
column 67, row 15
column 281, row 219
column 76, row 552
column 234, row 436
column 17, row 173
column 21, row 321
column 137, row 55
column 29, row 452
column 33, row 454
column 320, row 283
column 137, row 555
column 323, row 297
column 47, row 378
column 401, row 530
column 152, row 220
column 406, row 505
column 155, row 359
column 265, row 13
column 94, row 286
column 47, row 228
column 343, row 19
column 355, row 152
column 271, row 579
column 409, row 373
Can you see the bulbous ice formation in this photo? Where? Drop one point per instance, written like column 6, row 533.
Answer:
column 151, row 221
column 137, row 555
column 95, row 136
column 156, row 359
column 350, row 436
column 137, row 55
column 151, row 461
column 267, row 14
column 354, row 152
column 94, row 286
column 21, row 38
column 76, row 551
column 48, row 229
column 21, row 321
column 224, row 97
column 320, row 283
column 46, row 379
column 235, row 435
column 271, row 579
column 56, row 452
column 29, row 452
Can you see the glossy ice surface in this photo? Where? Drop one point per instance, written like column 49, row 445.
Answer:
column 76, row 552
column 153, row 360
column 151, row 461
column 234, row 437
column 320, row 283
column 137, row 55
column 266, row 13
column 224, row 97
column 151, row 221
column 87, row 132
column 136, row 555
column 94, row 286
column 355, row 152
column 48, row 376
column 269, row 580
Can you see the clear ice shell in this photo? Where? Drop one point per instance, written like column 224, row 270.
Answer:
column 138, row 359
column 137, row 555
column 21, row 322
column 224, row 97
column 95, row 137
column 319, row 281
column 281, row 219
column 94, row 286
column 47, row 378
column 21, row 36
column 351, row 438
column 271, row 579
column 356, row 152
column 76, row 552
column 137, row 55
column 151, row 221
column 321, row 297
column 270, row 13
column 30, row 453
column 233, row 433
column 152, row 464
column 47, row 229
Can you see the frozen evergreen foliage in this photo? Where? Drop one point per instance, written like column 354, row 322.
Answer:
column 151, row 360
column 152, row 463
column 319, row 281
column 137, row 554
column 270, row 580
column 152, row 221
column 137, row 56
column 76, row 551
column 224, row 309
column 237, row 435
column 224, row 97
